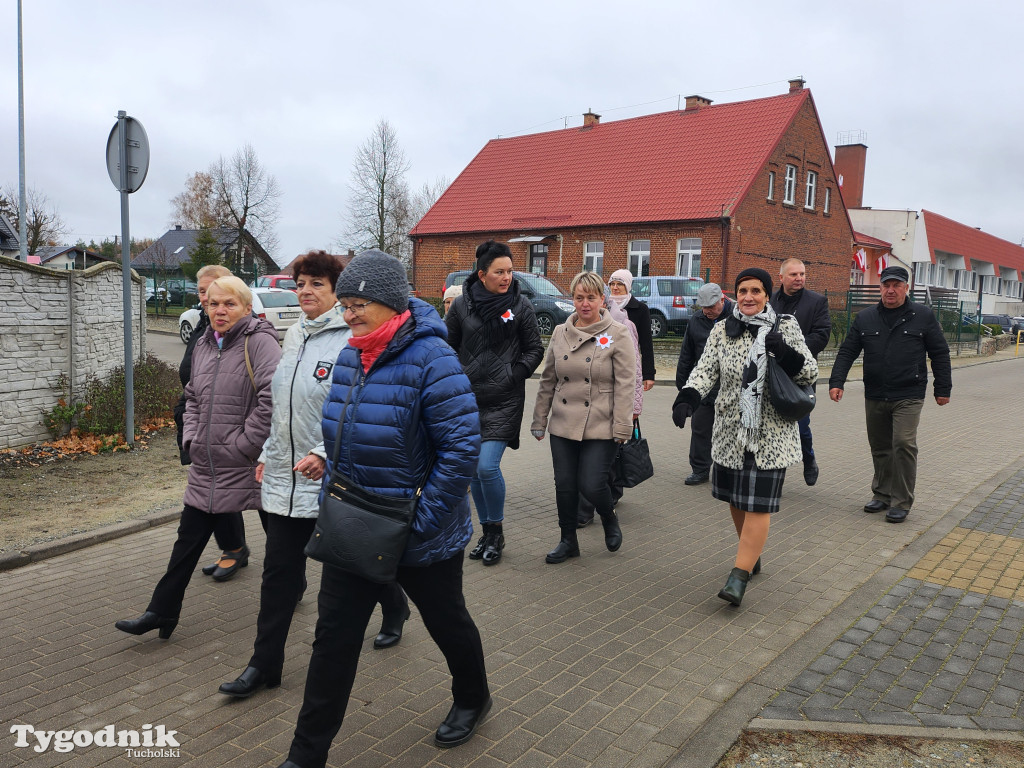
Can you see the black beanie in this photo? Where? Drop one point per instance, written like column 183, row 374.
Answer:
column 378, row 276
column 757, row 274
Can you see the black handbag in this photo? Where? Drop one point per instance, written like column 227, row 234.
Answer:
column 633, row 460
column 791, row 401
column 359, row 531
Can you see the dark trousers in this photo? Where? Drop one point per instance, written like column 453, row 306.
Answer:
column 806, row 444
column 194, row 533
column 702, row 423
column 230, row 534
column 345, row 605
column 582, row 468
column 284, row 577
column 892, row 435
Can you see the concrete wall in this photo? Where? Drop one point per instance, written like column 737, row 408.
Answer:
column 54, row 322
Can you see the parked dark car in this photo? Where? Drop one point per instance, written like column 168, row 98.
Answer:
column 549, row 303
column 1007, row 323
column 670, row 298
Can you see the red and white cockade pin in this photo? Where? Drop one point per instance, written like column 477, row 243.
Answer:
column 603, row 340
column 508, row 317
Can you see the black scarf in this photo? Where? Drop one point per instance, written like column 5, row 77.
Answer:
column 491, row 306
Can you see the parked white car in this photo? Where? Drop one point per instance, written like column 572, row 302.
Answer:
column 278, row 305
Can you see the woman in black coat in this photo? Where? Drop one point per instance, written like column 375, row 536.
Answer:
column 493, row 329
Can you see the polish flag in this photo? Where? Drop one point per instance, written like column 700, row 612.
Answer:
column 883, row 261
column 860, row 258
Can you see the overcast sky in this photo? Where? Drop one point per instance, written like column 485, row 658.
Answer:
column 936, row 86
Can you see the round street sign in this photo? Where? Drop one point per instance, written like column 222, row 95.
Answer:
column 136, row 152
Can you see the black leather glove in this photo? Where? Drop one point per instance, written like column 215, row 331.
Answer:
column 685, row 404
column 773, row 342
column 680, row 413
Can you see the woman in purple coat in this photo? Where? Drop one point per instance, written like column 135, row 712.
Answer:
column 227, row 420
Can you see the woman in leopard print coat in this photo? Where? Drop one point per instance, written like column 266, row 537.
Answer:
column 751, row 445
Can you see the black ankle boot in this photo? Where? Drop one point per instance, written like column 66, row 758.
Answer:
column 495, row 545
column 478, row 551
column 612, row 532
column 757, row 568
column 250, row 681
column 391, row 627
column 735, row 586
column 568, row 547
column 147, row 622
column 460, row 724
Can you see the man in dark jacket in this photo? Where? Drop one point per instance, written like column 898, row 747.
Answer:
column 895, row 337
column 714, row 308
column 811, row 311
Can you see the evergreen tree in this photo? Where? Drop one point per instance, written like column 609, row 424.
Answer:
column 205, row 251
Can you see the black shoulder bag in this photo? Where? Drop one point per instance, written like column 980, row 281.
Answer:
column 633, row 459
column 791, row 401
column 359, row 531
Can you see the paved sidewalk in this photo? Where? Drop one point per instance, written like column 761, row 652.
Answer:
column 942, row 647
column 624, row 659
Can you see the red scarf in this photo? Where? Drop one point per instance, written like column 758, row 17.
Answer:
column 373, row 343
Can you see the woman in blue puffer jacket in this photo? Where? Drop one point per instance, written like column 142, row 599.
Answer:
column 407, row 398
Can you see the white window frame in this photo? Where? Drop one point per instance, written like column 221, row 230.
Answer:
column 688, row 256
column 771, row 185
column 593, row 258
column 921, row 272
column 639, row 257
column 789, row 191
column 811, row 190
column 828, row 200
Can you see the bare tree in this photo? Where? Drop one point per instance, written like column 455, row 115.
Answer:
column 199, row 206
column 250, row 197
column 380, row 210
column 425, row 197
column 43, row 222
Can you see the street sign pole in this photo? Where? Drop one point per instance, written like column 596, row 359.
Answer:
column 126, row 282
column 127, row 165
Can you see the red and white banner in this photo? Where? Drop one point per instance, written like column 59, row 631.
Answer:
column 860, row 259
column 883, row 261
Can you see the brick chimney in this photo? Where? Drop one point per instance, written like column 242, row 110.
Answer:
column 696, row 102
column 590, row 118
column 796, row 84
column 851, row 159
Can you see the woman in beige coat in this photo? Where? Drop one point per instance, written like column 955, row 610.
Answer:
column 585, row 401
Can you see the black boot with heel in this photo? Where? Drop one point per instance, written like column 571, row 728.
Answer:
column 568, row 547
column 391, row 627
column 736, row 585
column 147, row 622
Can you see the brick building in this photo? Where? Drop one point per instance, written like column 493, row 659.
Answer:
column 704, row 191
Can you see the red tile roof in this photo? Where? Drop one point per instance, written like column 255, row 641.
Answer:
column 672, row 166
column 951, row 236
column 859, row 238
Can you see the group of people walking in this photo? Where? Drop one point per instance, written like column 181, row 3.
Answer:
column 371, row 384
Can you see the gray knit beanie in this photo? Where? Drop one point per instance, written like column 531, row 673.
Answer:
column 378, row 276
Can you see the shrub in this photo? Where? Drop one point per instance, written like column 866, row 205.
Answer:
column 157, row 389
column 61, row 418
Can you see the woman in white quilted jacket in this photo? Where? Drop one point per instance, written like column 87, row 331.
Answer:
column 290, row 470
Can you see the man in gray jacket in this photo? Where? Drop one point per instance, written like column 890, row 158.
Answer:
column 714, row 307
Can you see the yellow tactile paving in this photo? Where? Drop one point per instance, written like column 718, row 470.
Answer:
column 975, row 561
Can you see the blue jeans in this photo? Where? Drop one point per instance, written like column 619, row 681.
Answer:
column 488, row 485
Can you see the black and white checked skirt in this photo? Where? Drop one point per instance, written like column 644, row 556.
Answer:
column 750, row 489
